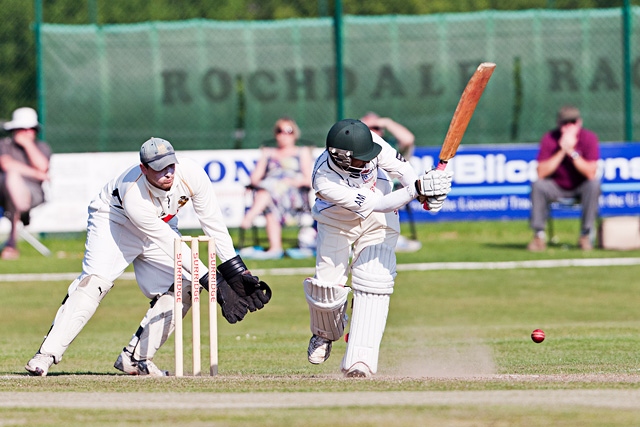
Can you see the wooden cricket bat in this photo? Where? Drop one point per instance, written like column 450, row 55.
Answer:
column 466, row 106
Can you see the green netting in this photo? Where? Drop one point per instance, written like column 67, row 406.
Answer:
column 196, row 83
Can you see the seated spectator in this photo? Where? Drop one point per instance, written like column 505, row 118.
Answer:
column 567, row 166
column 281, row 181
column 403, row 140
column 400, row 138
column 24, row 165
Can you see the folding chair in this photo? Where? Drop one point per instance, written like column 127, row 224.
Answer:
column 25, row 235
column 570, row 204
column 298, row 217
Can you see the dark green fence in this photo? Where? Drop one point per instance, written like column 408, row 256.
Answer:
column 221, row 84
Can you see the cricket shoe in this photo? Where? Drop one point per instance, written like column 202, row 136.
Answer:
column 358, row 370
column 407, row 245
column 319, row 349
column 39, row 365
column 127, row 364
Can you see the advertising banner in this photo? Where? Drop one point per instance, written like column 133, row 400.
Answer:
column 490, row 183
column 493, row 182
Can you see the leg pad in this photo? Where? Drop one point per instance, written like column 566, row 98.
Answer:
column 327, row 308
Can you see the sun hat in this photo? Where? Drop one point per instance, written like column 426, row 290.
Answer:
column 23, row 118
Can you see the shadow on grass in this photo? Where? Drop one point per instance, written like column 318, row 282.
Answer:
column 72, row 374
column 495, row 245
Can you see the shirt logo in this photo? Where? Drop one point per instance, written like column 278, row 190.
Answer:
column 366, row 175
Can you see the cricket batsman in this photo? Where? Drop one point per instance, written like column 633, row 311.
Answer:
column 133, row 221
column 357, row 217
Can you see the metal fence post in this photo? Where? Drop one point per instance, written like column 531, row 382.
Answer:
column 39, row 75
column 626, row 52
column 338, row 40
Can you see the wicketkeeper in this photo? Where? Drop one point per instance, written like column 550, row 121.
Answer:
column 133, row 221
column 357, row 217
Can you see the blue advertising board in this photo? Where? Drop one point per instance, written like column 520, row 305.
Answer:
column 493, row 182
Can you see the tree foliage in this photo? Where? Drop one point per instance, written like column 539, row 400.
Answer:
column 18, row 41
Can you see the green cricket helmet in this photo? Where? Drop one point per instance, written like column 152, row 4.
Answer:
column 351, row 139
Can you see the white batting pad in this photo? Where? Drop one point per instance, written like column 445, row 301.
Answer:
column 157, row 325
column 375, row 270
column 74, row 314
column 368, row 321
column 327, row 308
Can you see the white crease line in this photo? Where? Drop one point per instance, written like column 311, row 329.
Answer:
column 428, row 266
column 615, row 399
column 509, row 265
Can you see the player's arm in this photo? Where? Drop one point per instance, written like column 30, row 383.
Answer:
column 233, row 270
column 363, row 201
column 431, row 187
column 207, row 208
column 396, row 166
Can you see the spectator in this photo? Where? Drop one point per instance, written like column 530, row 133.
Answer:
column 24, row 165
column 403, row 140
column 281, row 181
column 567, row 166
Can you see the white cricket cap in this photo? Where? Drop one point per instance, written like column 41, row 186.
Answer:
column 157, row 153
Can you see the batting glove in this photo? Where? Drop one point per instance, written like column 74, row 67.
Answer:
column 432, row 204
column 434, row 183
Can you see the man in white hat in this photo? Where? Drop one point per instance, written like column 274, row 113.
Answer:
column 24, row 165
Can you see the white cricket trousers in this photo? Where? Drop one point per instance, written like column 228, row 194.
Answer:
column 336, row 238
column 111, row 247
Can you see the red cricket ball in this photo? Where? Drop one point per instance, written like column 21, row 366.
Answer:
column 537, row 335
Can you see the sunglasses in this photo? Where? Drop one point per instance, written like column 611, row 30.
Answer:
column 572, row 121
column 287, row 131
column 375, row 128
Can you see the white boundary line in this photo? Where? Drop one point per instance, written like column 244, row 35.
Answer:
column 428, row 266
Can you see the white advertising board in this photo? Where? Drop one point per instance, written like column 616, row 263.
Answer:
column 77, row 178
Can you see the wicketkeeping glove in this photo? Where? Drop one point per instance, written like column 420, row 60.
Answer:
column 434, row 183
column 233, row 307
column 249, row 287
